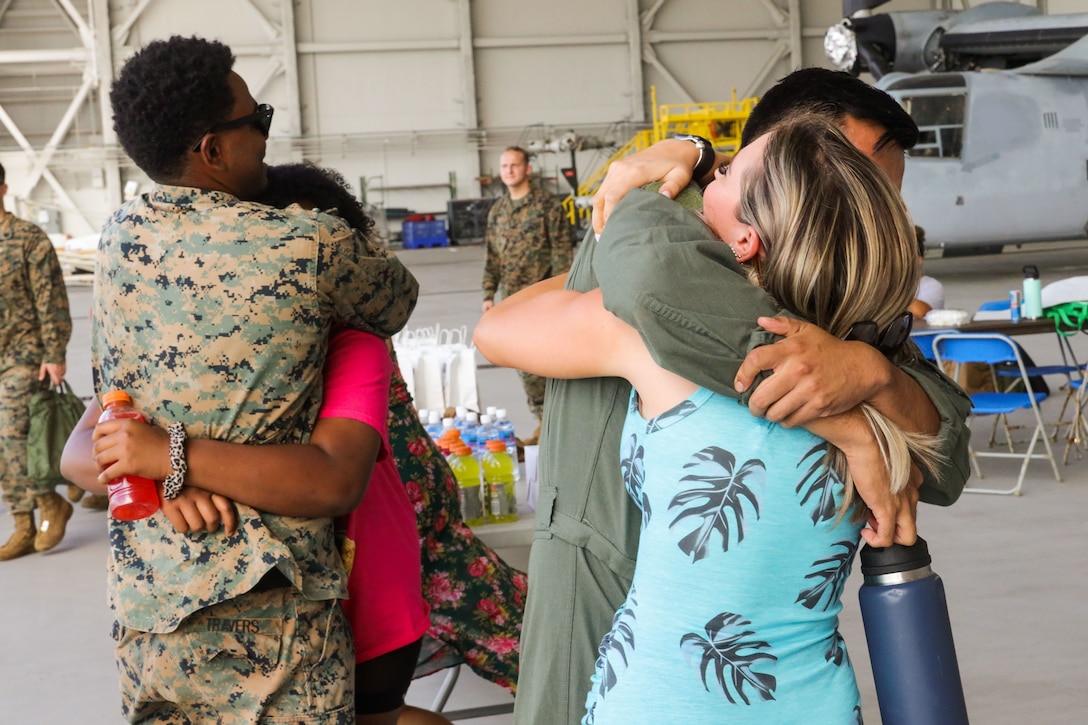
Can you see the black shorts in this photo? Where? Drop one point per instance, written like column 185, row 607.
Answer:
column 381, row 682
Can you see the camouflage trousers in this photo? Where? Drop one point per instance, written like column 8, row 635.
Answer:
column 17, row 385
column 267, row 657
column 534, row 393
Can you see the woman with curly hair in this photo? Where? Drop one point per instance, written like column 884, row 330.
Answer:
column 476, row 598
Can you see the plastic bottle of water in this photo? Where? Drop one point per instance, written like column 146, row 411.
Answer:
column 468, row 430
column 434, row 425
column 500, row 502
column 459, row 416
column 467, row 472
column 484, row 432
column 505, row 427
column 492, row 411
column 424, row 417
column 449, row 424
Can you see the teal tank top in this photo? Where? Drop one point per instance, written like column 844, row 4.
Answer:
column 732, row 615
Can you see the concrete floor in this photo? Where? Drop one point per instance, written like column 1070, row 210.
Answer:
column 1014, row 568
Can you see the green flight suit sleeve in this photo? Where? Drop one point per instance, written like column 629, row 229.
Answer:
column 953, row 405
column 654, row 263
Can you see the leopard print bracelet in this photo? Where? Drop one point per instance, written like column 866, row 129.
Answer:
column 171, row 486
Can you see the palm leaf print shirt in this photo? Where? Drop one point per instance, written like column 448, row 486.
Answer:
column 733, row 611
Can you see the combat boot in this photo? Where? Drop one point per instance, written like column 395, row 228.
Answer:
column 96, row 502
column 75, row 493
column 21, row 542
column 55, row 514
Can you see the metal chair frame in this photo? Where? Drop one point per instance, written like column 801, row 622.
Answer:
column 992, row 348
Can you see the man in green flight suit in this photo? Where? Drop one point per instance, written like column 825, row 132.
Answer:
column 33, row 340
column 662, row 271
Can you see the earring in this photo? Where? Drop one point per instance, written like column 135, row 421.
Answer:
column 735, row 252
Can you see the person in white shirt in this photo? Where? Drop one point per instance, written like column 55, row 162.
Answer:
column 930, row 292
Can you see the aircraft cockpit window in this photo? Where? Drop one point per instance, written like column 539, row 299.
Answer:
column 940, row 124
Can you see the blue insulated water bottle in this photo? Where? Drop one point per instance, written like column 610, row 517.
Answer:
column 905, row 613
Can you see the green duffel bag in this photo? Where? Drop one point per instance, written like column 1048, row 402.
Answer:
column 54, row 412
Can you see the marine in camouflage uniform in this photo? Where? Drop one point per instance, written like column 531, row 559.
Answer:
column 35, row 330
column 214, row 312
column 528, row 240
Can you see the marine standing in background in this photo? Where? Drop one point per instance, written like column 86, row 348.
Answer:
column 528, row 240
column 33, row 339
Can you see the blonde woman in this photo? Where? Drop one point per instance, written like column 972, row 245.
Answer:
column 748, row 529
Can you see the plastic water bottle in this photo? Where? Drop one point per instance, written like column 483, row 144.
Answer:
column 484, row 432
column 492, row 411
column 459, row 416
column 468, row 430
column 467, row 472
column 434, row 425
column 131, row 497
column 501, row 504
column 505, row 428
column 424, row 417
column 905, row 614
column 1033, row 293
column 449, row 424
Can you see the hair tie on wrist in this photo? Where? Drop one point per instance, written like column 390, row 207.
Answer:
column 172, row 484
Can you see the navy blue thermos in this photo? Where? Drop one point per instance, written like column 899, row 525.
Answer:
column 905, row 613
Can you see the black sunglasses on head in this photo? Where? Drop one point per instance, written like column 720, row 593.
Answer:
column 889, row 341
column 261, row 119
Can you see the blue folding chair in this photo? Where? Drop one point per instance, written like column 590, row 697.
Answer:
column 994, row 305
column 992, row 349
column 924, row 340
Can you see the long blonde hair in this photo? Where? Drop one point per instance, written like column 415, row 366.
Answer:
column 840, row 248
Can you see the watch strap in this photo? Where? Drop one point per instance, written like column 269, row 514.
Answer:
column 706, row 155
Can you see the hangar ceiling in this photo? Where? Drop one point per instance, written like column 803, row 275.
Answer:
column 414, row 99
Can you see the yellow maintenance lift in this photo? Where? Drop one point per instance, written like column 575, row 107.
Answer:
column 720, row 122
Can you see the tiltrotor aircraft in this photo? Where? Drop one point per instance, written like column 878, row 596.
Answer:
column 1000, row 94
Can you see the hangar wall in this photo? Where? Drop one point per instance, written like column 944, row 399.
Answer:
column 412, row 100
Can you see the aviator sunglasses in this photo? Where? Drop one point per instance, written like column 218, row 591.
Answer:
column 261, row 119
column 888, row 341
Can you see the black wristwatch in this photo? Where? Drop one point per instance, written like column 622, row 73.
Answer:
column 706, row 155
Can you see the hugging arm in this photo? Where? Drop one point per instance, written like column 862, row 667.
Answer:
column 663, row 272
column 325, row 477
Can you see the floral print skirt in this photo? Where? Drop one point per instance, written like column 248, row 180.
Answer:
column 476, row 599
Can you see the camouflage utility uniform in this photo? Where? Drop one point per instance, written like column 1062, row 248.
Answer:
column 36, row 327
column 528, row 240
column 215, row 312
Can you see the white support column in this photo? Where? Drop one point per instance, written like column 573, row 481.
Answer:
column 289, row 44
column 468, row 63
column 634, row 51
column 102, row 66
column 796, row 29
